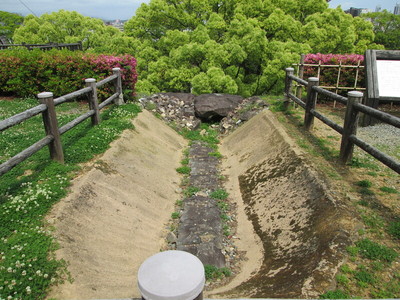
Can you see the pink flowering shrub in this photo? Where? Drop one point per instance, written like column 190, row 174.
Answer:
column 328, row 76
column 26, row 73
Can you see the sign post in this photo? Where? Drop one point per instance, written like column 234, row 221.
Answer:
column 382, row 79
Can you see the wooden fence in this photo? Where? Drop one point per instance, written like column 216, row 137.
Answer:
column 349, row 128
column 72, row 47
column 336, row 88
column 53, row 132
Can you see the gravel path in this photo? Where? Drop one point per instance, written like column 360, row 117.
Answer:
column 381, row 134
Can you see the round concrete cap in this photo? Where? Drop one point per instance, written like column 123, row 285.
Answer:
column 45, row 95
column 116, row 69
column 355, row 94
column 89, row 80
column 313, row 79
column 171, row 275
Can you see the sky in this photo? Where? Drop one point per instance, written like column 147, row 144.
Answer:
column 125, row 9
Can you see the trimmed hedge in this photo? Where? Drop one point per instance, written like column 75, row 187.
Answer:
column 26, row 73
column 328, row 76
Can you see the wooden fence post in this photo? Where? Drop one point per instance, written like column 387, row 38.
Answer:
column 311, row 101
column 51, row 126
column 299, row 90
column 93, row 101
column 350, row 125
column 118, row 86
column 288, row 86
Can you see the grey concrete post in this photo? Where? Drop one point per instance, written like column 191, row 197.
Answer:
column 179, row 276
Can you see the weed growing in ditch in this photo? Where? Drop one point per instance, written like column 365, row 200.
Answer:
column 183, row 170
column 216, row 154
column 175, row 215
column 213, row 272
column 191, row 191
column 205, row 134
column 219, row 194
column 27, row 262
column 185, row 162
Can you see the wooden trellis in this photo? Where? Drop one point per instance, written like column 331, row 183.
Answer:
column 300, row 74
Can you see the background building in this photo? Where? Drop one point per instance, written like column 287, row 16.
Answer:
column 397, row 9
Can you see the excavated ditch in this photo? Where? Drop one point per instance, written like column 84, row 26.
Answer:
column 291, row 229
column 300, row 223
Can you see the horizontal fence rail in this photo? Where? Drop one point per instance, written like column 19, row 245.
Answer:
column 349, row 128
column 53, row 132
column 71, row 47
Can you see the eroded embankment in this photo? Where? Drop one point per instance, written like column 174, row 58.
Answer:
column 298, row 226
column 115, row 215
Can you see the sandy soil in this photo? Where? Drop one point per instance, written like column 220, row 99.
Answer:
column 282, row 199
column 116, row 213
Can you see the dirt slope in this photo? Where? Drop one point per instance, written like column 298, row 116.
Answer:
column 116, row 213
column 290, row 226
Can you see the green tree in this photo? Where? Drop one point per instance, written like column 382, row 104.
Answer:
column 71, row 27
column 386, row 28
column 8, row 23
column 235, row 46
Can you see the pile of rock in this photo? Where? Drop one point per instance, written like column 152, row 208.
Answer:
column 177, row 108
column 247, row 109
column 185, row 110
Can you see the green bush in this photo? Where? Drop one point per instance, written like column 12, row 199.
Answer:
column 26, row 73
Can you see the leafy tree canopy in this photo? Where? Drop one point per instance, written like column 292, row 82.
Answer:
column 71, row 27
column 386, row 28
column 235, row 46
column 9, row 22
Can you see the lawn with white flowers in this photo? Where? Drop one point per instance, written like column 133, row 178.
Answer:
column 27, row 262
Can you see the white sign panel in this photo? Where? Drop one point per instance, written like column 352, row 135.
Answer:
column 388, row 72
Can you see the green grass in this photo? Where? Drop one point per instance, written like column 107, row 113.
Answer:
column 364, row 183
column 223, row 206
column 205, row 134
column 213, row 272
column 342, row 279
column 388, row 190
column 363, row 163
column 374, row 251
column 185, row 161
column 336, row 294
column 219, row 194
column 175, row 215
column 191, row 191
column 27, row 262
column 183, row 170
column 216, row 154
column 394, row 229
